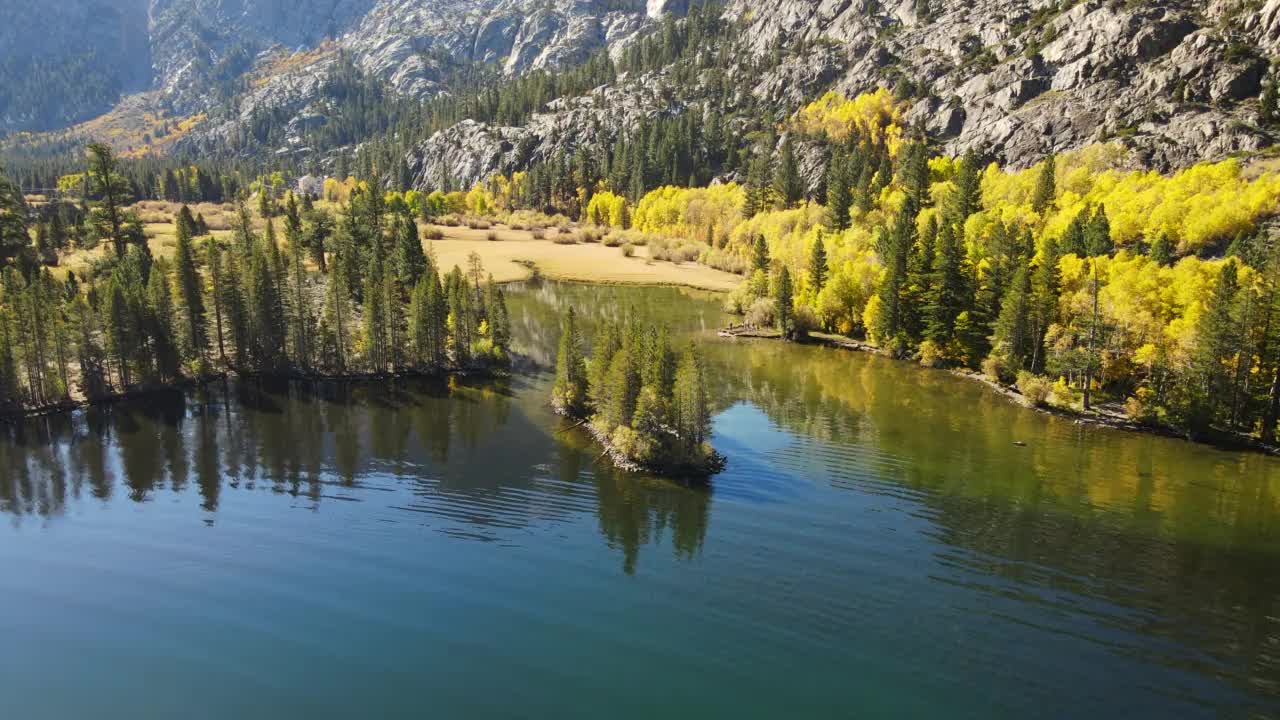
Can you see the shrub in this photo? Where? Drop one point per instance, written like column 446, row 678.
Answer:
column 931, row 355
column 434, row 233
column 613, row 239
column 539, row 234
column 1034, row 388
column 993, row 368
column 628, row 250
column 491, row 236
column 762, row 313
column 1141, row 408
column 1063, row 395
column 805, row 320
column 590, row 235
column 565, row 239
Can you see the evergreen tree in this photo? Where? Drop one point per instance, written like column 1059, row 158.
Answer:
column 569, row 394
column 1046, row 188
column 1013, row 333
column 1074, row 241
column 112, row 194
column 1216, row 343
column 190, row 295
column 787, row 183
column 410, row 261
column 302, row 319
column 968, row 194
column 376, row 343
column 236, row 310
column 14, row 219
column 692, row 407
column 946, row 298
column 164, row 346
column 760, row 253
column 1097, row 234
column 335, row 322
column 839, row 191
column 1162, row 250
column 818, row 265
column 759, row 195
column 784, row 298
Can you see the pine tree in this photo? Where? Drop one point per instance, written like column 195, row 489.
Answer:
column 1045, row 285
column 267, row 323
column 1046, row 188
column 784, row 298
column 190, row 296
column 1162, row 250
column 499, row 319
column 121, row 331
column 1074, row 241
column 234, row 309
column 946, row 298
column 335, row 322
column 91, row 359
column 787, row 183
column 759, row 194
column 302, row 319
column 692, row 406
column 968, row 194
column 164, row 346
column 839, row 191
column 1012, row 339
column 111, row 191
column 569, row 393
column 461, row 316
column 1216, row 344
column 375, row 322
column 760, row 253
column 410, row 260
column 14, row 217
column 1097, row 234
column 818, row 265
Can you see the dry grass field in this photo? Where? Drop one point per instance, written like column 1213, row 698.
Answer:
column 512, row 256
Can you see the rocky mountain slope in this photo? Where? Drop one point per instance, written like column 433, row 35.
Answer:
column 1176, row 81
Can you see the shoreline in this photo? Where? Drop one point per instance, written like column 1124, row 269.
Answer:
column 626, row 464
column 1221, row 441
column 12, row 414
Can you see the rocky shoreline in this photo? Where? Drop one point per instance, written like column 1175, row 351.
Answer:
column 621, row 461
column 1117, row 422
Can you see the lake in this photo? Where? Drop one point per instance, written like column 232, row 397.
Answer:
column 877, row 547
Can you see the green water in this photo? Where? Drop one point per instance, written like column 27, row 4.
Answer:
column 877, row 547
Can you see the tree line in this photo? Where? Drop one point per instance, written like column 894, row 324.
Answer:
column 377, row 304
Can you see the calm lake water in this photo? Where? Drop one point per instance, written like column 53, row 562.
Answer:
column 878, row 547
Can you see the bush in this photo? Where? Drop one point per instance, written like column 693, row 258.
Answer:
column 1034, row 388
column 1063, row 395
column 993, row 367
column 590, row 234
column 931, row 355
column 762, row 313
column 565, row 239
column 628, row 250
column 539, row 234
column 434, row 233
column 491, row 236
column 614, row 239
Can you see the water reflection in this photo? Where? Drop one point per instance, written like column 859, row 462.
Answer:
column 456, row 449
column 1152, row 549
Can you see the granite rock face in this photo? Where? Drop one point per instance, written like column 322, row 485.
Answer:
column 1177, row 81
column 1018, row 79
